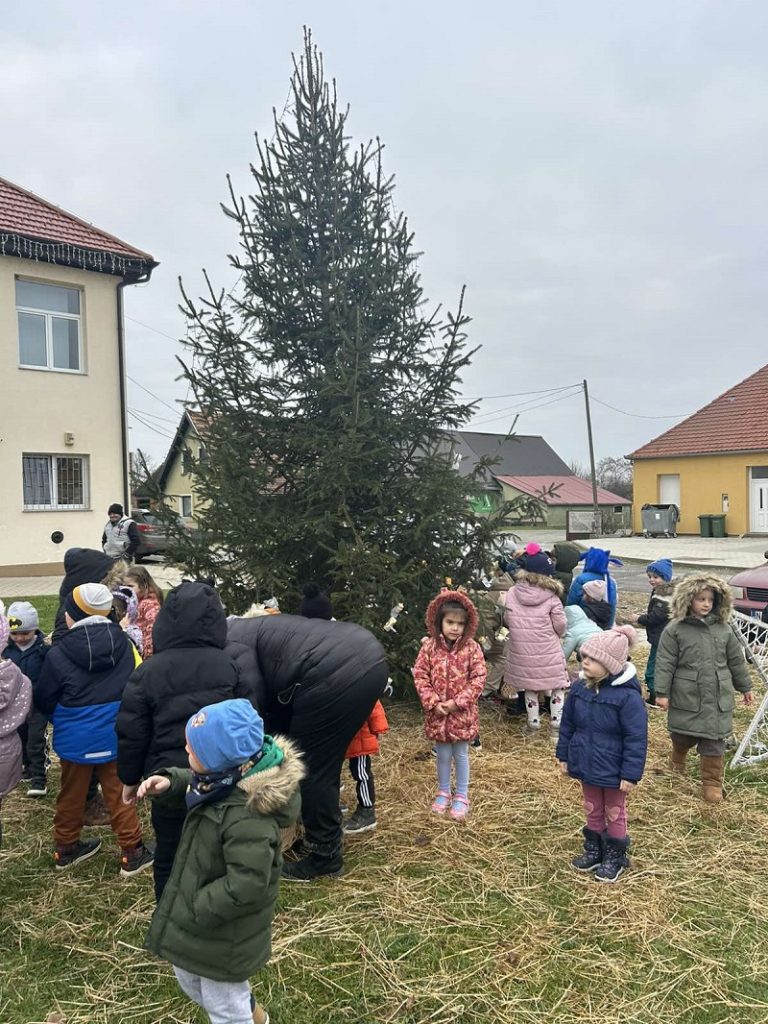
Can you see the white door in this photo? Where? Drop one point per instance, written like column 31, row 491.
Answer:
column 759, row 503
column 669, row 489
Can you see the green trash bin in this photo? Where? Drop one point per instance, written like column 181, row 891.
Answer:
column 718, row 526
column 705, row 526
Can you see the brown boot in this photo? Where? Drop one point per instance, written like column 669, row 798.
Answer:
column 96, row 812
column 677, row 758
column 712, row 779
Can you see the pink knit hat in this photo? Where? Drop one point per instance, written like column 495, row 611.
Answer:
column 596, row 589
column 610, row 648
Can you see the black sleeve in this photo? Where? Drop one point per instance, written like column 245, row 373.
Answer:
column 104, row 538
column 134, row 728
column 133, row 540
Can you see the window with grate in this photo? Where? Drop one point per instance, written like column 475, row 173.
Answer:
column 49, row 326
column 55, row 482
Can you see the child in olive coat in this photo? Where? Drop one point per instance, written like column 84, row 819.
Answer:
column 214, row 919
column 699, row 666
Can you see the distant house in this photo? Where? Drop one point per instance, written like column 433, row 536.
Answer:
column 529, row 467
column 715, row 461
column 63, row 432
column 176, row 479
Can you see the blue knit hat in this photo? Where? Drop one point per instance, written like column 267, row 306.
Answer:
column 661, row 567
column 538, row 563
column 225, row 735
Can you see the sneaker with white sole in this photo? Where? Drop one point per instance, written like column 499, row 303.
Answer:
column 363, row 820
column 37, row 788
column 73, row 853
column 136, row 859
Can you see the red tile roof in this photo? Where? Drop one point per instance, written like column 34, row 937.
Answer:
column 24, row 213
column 736, row 421
column 568, row 490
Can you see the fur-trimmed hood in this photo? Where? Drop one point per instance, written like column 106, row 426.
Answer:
column 535, row 579
column 270, row 791
column 686, row 588
column 436, row 604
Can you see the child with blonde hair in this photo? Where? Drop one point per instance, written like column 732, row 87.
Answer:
column 15, row 705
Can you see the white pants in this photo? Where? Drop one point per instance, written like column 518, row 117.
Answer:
column 225, row 1002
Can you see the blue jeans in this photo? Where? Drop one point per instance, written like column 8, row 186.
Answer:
column 453, row 753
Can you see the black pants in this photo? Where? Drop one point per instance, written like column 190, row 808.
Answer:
column 35, row 744
column 324, row 720
column 168, row 823
column 362, row 773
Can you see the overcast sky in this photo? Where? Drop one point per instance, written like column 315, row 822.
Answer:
column 592, row 170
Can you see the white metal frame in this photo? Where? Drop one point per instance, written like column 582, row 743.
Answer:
column 48, row 316
column 752, row 634
column 54, row 505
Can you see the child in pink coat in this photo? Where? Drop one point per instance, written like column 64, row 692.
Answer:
column 534, row 616
column 450, row 675
column 15, row 705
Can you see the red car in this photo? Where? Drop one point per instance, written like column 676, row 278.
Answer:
column 749, row 589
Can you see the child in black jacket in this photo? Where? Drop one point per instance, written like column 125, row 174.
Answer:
column 655, row 619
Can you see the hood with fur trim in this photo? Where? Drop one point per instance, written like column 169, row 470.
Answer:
column 437, row 603
column 536, row 579
column 686, row 588
column 270, row 791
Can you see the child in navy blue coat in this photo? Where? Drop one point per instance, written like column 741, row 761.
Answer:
column 603, row 742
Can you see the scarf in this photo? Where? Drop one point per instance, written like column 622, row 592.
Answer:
column 212, row 787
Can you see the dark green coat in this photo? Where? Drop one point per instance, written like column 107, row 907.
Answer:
column 700, row 663
column 215, row 915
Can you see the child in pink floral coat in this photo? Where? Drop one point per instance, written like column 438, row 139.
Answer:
column 450, row 674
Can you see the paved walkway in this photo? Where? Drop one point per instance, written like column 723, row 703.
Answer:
column 165, row 576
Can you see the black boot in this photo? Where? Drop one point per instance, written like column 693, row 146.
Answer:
column 615, row 859
column 518, row 708
column 593, row 852
column 314, row 865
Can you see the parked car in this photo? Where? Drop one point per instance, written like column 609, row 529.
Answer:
column 154, row 538
column 749, row 589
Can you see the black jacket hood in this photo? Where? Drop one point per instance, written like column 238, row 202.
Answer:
column 192, row 616
column 96, row 646
column 83, row 565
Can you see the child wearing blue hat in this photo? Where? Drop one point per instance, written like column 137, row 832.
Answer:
column 656, row 617
column 214, row 919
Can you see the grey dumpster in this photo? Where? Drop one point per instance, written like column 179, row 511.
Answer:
column 660, row 520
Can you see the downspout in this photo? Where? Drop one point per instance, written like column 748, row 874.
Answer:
column 123, row 384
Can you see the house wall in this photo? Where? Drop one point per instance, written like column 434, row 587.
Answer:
column 556, row 515
column 704, row 479
column 39, row 406
column 180, row 483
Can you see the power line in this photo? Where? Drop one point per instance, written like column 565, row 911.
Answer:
column 541, row 405
column 517, row 394
column 154, row 416
column 150, row 328
column 151, row 394
column 528, row 406
column 642, row 416
column 150, row 426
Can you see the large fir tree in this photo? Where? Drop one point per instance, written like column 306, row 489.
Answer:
column 329, row 391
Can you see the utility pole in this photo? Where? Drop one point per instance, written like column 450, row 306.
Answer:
column 591, row 453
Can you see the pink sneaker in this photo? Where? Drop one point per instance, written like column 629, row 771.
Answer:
column 459, row 808
column 441, row 802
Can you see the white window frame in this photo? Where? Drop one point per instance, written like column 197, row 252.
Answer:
column 182, row 499
column 49, row 315
column 54, row 505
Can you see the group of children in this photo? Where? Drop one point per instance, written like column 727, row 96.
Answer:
column 239, row 787
column 695, row 666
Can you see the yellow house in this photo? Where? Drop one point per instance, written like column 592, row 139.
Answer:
column 63, row 436
column 176, row 479
column 714, row 462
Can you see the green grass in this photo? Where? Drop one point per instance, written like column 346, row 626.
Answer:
column 436, row 923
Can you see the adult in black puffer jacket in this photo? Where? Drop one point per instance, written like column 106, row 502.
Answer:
column 316, row 682
column 188, row 670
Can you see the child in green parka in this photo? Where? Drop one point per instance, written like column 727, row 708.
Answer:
column 213, row 922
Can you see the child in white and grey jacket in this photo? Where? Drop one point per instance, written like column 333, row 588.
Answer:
column 15, row 705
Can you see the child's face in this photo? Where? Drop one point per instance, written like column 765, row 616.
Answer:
column 654, row 580
column 22, row 637
column 194, row 764
column 703, row 603
column 592, row 669
column 453, row 626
